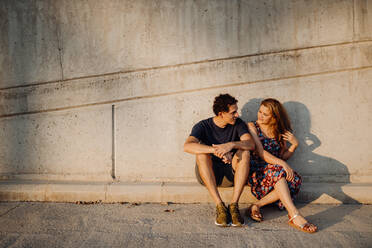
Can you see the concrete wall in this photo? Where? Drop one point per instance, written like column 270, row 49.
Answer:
column 95, row 89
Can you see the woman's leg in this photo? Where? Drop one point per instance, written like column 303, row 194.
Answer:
column 267, row 199
column 281, row 192
column 270, row 175
column 272, row 196
column 281, row 189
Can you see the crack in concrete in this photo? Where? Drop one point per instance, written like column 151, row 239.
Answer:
column 60, row 47
column 354, row 34
column 113, row 144
column 1, row 215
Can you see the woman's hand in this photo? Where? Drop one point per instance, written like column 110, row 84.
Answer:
column 227, row 158
column 289, row 172
column 288, row 136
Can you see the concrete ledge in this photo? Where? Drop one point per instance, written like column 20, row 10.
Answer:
column 133, row 192
column 22, row 191
column 319, row 193
column 61, row 192
column 335, row 193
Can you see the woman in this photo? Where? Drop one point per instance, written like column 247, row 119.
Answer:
column 271, row 178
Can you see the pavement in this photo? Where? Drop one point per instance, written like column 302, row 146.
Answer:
column 41, row 224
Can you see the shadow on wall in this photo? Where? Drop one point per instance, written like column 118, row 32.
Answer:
column 320, row 169
column 27, row 32
column 19, row 42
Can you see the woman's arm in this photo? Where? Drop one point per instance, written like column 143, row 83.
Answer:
column 265, row 155
column 288, row 136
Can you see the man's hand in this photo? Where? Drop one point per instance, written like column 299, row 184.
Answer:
column 222, row 149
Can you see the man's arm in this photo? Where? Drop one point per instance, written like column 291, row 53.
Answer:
column 193, row 146
column 246, row 143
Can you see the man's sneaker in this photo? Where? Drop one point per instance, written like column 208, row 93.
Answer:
column 222, row 218
column 236, row 218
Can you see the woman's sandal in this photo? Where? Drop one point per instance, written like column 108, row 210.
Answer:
column 304, row 227
column 254, row 214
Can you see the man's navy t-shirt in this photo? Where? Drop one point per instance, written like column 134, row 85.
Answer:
column 208, row 133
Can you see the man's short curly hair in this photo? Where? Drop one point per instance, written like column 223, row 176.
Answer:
column 222, row 103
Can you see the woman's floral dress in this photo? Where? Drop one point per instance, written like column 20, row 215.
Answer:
column 263, row 176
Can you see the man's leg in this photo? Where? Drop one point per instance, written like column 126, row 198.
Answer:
column 205, row 166
column 240, row 164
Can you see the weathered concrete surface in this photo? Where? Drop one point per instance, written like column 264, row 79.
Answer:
column 88, row 38
column 175, row 225
column 57, row 191
column 245, row 70
column 169, row 120
column 29, row 43
column 91, row 90
column 66, row 144
column 363, row 20
column 149, row 132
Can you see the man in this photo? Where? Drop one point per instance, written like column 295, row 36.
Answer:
column 221, row 144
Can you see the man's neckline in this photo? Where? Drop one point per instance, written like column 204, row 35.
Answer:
column 214, row 122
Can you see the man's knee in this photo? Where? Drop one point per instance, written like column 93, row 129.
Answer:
column 243, row 155
column 203, row 159
column 204, row 167
column 241, row 158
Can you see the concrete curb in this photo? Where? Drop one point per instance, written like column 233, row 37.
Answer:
column 110, row 192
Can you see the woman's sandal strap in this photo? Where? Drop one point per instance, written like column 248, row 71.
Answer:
column 294, row 216
column 304, row 227
column 255, row 214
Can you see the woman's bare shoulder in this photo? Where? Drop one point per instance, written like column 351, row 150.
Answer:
column 251, row 126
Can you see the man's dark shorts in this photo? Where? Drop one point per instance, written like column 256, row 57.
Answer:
column 223, row 173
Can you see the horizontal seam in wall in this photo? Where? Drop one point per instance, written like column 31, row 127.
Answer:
column 184, row 91
column 184, row 64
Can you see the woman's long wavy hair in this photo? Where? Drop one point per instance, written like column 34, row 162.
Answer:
column 281, row 122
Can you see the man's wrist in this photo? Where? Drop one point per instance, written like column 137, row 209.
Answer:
column 211, row 149
column 233, row 145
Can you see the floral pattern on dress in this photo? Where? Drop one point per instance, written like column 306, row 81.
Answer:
column 263, row 176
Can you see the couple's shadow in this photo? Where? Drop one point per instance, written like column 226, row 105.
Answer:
column 316, row 170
